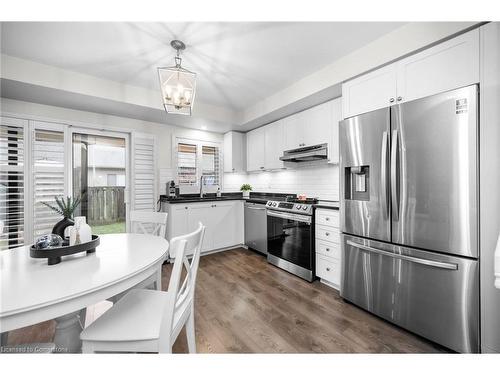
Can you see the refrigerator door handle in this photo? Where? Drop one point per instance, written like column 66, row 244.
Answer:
column 394, row 176
column 426, row 262
column 383, row 177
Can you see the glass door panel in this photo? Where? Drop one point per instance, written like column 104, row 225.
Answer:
column 100, row 178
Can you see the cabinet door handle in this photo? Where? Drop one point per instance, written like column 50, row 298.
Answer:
column 327, row 234
column 327, row 249
column 399, row 98
column 328, row 269
column 391, row 100
column 327, row 218
column 185, row 208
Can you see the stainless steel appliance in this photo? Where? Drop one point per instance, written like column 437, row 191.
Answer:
column 304, row 154
column 256, row 227
column 290, row 237
column 409, row 216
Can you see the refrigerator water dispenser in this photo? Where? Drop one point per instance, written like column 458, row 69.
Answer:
column 357, row 183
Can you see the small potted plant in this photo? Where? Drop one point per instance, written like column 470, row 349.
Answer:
column 66, row 208
column 246, row 188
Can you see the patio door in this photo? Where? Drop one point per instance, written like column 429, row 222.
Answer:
column 100, row 172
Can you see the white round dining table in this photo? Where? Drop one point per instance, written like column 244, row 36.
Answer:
column 33, row 292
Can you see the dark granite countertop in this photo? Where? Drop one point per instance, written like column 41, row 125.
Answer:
column 195, row 198
column 332, row 205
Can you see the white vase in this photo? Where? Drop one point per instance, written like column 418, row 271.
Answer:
column 246, row 194
column 80, row 232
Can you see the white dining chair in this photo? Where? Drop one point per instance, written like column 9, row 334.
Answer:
column 144, row 222
column 150, row 320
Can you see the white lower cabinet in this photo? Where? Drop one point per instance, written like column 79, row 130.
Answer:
column 328, row 254
column 223, row 221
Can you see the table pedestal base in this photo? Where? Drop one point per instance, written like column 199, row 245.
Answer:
column 68, row 329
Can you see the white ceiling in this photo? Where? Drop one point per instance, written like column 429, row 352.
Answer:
column 238, row 64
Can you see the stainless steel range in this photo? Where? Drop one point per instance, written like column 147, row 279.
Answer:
column 290, row 237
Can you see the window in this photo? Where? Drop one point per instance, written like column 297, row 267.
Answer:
column 12, row 183
column 48, row 177
column 196, row 159
column 210, row 165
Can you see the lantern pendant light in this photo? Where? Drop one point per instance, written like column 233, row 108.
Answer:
column 178, row 85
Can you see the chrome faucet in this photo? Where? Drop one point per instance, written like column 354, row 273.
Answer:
column 201, row 186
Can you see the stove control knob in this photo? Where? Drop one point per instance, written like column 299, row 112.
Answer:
column 298, row 206
column 274, row 204
column 304, row 208
column 269, row 203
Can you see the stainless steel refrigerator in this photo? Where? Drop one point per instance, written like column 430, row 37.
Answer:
column 409, row 201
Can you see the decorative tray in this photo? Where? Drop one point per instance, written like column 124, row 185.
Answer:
column 54, row 255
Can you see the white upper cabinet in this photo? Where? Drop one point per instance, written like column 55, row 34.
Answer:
column 319, row 125
column 234, row 152
column 294, row 126
column 274, row 144
column 446, row 66
column 256, row 150
column 369, row 92
column 333, row 146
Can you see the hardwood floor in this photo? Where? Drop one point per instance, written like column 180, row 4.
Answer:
column 245, row 305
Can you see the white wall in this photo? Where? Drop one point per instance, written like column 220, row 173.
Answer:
column 163, row 132
column 320, row 181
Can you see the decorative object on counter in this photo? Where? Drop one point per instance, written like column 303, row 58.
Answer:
column 497, row 264
column 54, row 254
column 66, row 208
column 178, row 85
column 246, row 188
column 219, row 193
column 48, row 241
column 80, row 232
column 302, row 197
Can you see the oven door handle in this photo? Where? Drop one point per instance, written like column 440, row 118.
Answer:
column 305, row 219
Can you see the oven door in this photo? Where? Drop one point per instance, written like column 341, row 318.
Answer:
column 289, row 237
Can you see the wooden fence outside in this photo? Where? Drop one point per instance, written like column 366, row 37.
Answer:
column 106, row 205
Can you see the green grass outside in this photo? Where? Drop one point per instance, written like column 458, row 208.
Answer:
column 109, row 228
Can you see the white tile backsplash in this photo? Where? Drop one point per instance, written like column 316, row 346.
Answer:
column 314, row 181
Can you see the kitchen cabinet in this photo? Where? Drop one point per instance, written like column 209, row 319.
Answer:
column 294, row 130
column 223, row 221
column 256, row 150
column 234, row 152
column 274, row 145
column 314, row 126
column 446, row 66
column 369, row 92
column 327, row 245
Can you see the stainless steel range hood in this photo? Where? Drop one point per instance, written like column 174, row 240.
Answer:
column 310, row 153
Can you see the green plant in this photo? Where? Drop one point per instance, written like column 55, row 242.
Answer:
column 245, row 187
column 65, row 207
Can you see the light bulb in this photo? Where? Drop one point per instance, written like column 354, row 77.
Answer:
column 168, row 91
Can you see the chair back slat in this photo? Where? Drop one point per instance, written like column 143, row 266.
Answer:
column 182, row 294
column 154, row 223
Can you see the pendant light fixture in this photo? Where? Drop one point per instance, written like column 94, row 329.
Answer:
column 178, row 85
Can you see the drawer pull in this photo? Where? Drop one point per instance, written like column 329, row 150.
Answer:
column 327, row 249
column 328, row 269
column 327, row 234
column 327, row 218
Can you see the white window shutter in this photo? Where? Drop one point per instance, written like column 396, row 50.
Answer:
column 143, row 181
column 48, row 174
column 13, row 175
